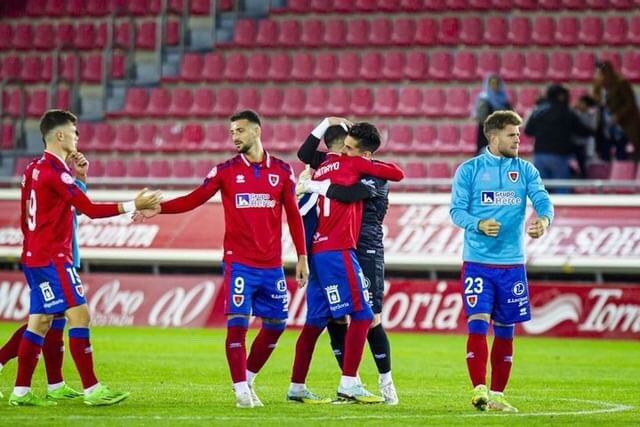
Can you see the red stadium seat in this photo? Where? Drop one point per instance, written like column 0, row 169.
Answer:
column 357, row 33
column 550, row 4
column 317, row 103
column 136, row 102
column 202, row 167
column 416, row 66
column 104, row 137
column 85, row 131
column 284, row 137
column 512, row 66
column 611, row 56
column 415, row 170
column 193, row 137
column 31, row 69
column 63, row 99
column 567, row 32
column 245, row 33
column 147, row 135
column 583, row 66
column 169, row 137
column 633, row 31
column 258, row 66
column 434, row 100
column 6, row 35
column 630, row 68
column 248, row 98
column 519, row 31
column 403, row 33
column 160, row 169
column 321, row 6
column 440, row 65
column 311, row 33
column 299, row 6
column 137, row 168
column 535, row 66
column 411, row 5
column 181, row 102
column 597, row 4
column 123, row 35
column 203, row 102
column 527, row 98
column 471, row 31
column 361, row 5
column 464, row 66
column 6, row 136
column 381, row 29
column 543, row 31
column 44, row 37
column 410, row 101
column 525, row 4
column 236, row 67
column 326, row 66
column 267, row 35
column 386, row 101
column 271, row 102
column 372, row 63
column 97, row 168
column 425, row 137
column 95, row 8
column 216, row 139
column 449, row 31
column 289, row 34
column 339, row 101
column 293, row 102
column 126, row 137
column 400, row 138
column 439, row 170
column 560, row 66
column 393, row 66
column 191, row 67
column 348, row 66
column 35, row 8
column 213, row 67
column 361, row 101
column 615, row 30
column 496, row 30
column 91, row 69
column 38, row 101
column 183, row 169
column 488, row 63
column 12, row 67
column 468, row 137
column 426, row 32
column 115, row 168
column 159, row 102
column 22, row 37
column 590, row 30
column 457, row 102
column 335, row 33
column 280, row 68
column 303, row 67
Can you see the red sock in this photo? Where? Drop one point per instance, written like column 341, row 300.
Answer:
column 82, row 354
column 53, row 352
column 10, row 349
column 28, row 354
column 501, row 361
column 354, row 346
column 262, row 347
column 304, row 352
column 237, row 353
column 477, row 354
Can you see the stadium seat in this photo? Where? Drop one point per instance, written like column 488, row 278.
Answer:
column 597, row 4
column 386, row 101
column 615, row 31
column 312, row 33
column 299, row 6
column 371, row 68
column 448, row 141
column 6, row 136
column 62, row 100
column 567, row 31
column 267, row 34
column 213, row 67
column 284, row 137
column 289, row 34
column 181, row 102
column 339, row 101
column 440, row 65
column 216, row 139
column 380, row 34
column 611, row 56
column 416, row 66
column 258, row 66
column 183, row 168
column 335, row 33
column 236, row 67
column 320, row 6
column 495, row 31
column 410, row 101
column 519, row 31
column 160, row 168
column 357, row 34
column 293, row 102
column 457, row 102
column 169, row 137
column 360, row 5
column 348, row 67
column 245, row 33
column 403, row 33
column 317, row 100
column 44, row 37
column 433, row 104
column 512, row 66
column 411, row 5
column 192, row 137
column 361, row 101
column 471, row 31
column 630, row 67
column 137, row 168
column 468, row 137
column 22, row 37
column 426, row 32
column 6, row 35
column 191, row 67
column 35, row 8
column 95, row 8
column 535, row 66
column 147, row 134
column 271, row 102
column 37, row 102
column 525, row 4
column 248, row 98
column 449, row 31
column 424, row 139
column 559, row 66
column 622, row 4
column 97, row 168
column 622, row 170
column 159, row 102
column 464, row 66
column 439, row 170
column 280, row 67
column 85, row 131
column 543, row 31
column 633, row 30
column 415, row 170
column 400, row 139
column 303, row 67
column 393, row 66
column 202, row 167
column 488, row 63
column 30, row 72
column 104, row 137
column 550, row 4
column 590, row 32
column 203, row 102
column 583, row 66
column 527, row 97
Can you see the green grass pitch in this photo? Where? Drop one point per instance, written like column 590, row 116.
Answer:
column 180, row 377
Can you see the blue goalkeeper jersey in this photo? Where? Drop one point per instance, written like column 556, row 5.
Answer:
column 489, row 186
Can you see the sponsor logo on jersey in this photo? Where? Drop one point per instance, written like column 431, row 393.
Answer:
column 518, row 289
column 66, row 178
column 332, row 294
column 472, row 300
column 213, row 172
column 240, row 179
column 499, row 198
column 513, row 176
column 282, row 285
column 274, row 179
column 237, row 300
column 251, row 200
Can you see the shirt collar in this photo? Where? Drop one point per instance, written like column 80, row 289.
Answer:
column 57, row 157
column 266, row 160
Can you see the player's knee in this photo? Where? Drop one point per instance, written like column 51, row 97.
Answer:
column 505, row 332
column 238, row 322
column 79, row 316
column 478, row 326
column 39, row 323
column 274, row 324
column 317, row 322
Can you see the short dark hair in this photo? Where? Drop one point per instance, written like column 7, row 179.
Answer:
column 334, row 134
column 367, row 136
column 54, row 118
column 498, row 120
column 248, row 115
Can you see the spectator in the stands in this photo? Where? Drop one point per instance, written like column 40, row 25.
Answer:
column 492, row 98
column 622, row 116
column 584, row 146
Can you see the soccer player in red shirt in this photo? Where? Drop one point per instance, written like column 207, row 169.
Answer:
column 338, row 288
column 49, row 196
column 255, row 187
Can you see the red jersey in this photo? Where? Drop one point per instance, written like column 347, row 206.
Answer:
column 339, row 223
column 253, row 195
column 48, row 197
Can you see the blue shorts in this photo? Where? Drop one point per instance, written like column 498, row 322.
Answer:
column 501, row 291
column 54, row 288
column 341, row 287
column 255, row 291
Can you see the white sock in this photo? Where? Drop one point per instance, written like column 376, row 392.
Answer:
column 21, row 391
column 90, row 389
column 496, row 393
column 250, row 377
column 241, row 387
column 1, row 366
column 348, row 382
column 386, row 378
column 296, row 387
column 52, row 387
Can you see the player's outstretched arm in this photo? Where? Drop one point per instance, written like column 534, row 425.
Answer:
column 144, row 200
column 378, row 169
column 190, row 201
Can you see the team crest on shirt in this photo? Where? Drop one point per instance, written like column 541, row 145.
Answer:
column 274, row 179
column 80, row 290
column 238, row 300
column 472, row 300
column 513, row 176
column 66, row 178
